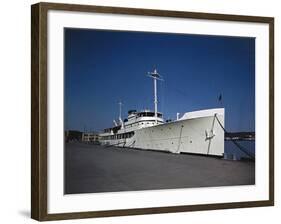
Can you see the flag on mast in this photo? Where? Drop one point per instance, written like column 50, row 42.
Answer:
column 220, row 98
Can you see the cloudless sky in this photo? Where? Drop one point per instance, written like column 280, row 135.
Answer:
column 103, row 67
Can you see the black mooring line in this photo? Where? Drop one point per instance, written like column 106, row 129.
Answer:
column 236, row 143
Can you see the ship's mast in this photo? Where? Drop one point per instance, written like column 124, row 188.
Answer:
column 120, row 114
column 156, row 76
column 120, row 110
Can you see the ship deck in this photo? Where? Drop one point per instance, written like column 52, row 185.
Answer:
column 95, row 168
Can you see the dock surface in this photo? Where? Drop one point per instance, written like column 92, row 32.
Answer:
column 95, row 168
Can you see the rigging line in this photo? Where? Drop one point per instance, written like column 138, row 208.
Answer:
column 179, row 143
column 162, row 97
column 131, row 143
column 235, row 142
column 124, row 143
column 243, row 149
column 212, row 131
column 172, row 88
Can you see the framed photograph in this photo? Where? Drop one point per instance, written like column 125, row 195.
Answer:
column 139, row 111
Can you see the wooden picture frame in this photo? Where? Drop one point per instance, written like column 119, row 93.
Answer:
column 39, row 109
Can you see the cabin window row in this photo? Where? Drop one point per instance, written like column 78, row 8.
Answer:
column 139, row 123
column 119, row 136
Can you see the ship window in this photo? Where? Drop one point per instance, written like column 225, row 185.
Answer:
column 126, row 135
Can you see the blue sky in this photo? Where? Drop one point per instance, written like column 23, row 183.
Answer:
column 103, row 67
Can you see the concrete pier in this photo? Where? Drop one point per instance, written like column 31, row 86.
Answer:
column 95, row 168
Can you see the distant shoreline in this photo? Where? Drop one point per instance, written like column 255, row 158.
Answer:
column 240, row 136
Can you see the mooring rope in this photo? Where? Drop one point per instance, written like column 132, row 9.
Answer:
column 235, row 142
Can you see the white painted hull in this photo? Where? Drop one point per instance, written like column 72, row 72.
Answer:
column 191, row 134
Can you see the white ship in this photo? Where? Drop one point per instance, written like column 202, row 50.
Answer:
column 197, row 132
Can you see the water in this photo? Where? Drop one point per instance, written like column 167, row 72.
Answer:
column 231, row 149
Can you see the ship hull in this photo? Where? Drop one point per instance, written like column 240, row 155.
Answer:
column 199, row 135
